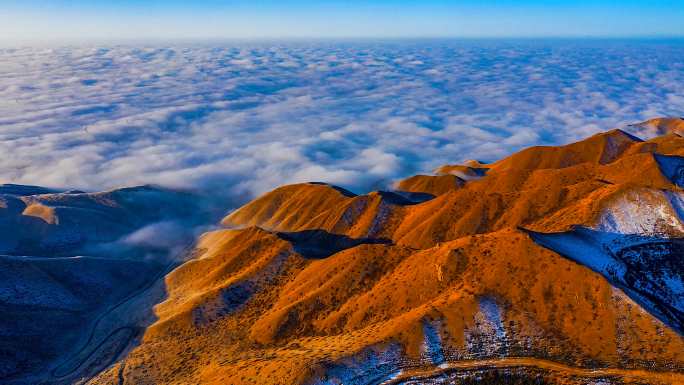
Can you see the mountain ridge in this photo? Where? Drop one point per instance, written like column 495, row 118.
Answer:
column 459, row 278
column 555, row 265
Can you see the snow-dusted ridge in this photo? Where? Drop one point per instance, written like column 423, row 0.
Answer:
column 637, row 243
column 648, row 269
column 643, row 211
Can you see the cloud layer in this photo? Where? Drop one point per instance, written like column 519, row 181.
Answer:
column 241, row 119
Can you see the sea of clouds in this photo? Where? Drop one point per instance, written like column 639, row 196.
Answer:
column 239, row 119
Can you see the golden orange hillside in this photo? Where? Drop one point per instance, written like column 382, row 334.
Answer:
column 555, row 265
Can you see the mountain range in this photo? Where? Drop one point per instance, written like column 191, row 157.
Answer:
column 555, row 265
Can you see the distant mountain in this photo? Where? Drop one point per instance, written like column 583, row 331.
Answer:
column 77, row 271
column 39, row 221
column 555, row 265
column 660, row 126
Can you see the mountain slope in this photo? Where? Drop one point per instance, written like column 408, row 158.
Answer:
column 79, row 274
column 488, row 280
column 36, row 222
column 661, row 126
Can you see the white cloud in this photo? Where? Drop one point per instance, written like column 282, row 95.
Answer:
column 242, row 120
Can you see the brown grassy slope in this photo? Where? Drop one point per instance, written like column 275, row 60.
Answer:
column 251, row 310
column 525, row 189
column 434, row 185
column 601, row 148
column 316, row 311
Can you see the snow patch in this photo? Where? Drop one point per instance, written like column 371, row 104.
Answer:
column 352, row 212
column 432, row 348
column 643, row 211
column 370, row 366
column 490, row 310
column 586, row 247
column 488, row 337
column 647, row 268
column 383, row 214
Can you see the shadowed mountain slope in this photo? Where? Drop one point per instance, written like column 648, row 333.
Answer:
column 48, row 303
column 36, row 222
column 79, row 275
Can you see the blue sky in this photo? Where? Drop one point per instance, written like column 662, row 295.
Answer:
column 46, row 20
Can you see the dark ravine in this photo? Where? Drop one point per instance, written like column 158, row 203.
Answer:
column 70, row 366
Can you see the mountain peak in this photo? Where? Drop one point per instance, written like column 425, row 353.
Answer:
column 661, row 126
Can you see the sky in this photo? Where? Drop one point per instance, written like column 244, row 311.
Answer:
column 239, row 97
column 77, row 20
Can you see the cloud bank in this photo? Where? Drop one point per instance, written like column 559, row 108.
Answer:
column 240, row 119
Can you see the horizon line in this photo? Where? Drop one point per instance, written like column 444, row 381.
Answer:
column 103, row 40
